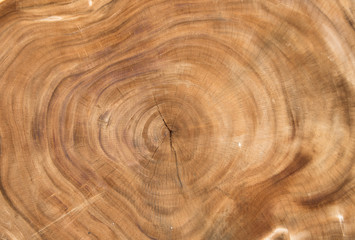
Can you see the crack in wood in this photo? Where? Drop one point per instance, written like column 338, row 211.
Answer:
column 171, row 142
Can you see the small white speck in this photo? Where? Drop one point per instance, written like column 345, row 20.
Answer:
column 171, row 228
column 90, row 3
column 113, row 223
column 239, row 144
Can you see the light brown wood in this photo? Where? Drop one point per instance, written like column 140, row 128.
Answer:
column 177, row 119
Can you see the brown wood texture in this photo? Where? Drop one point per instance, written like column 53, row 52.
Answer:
column 177, row 119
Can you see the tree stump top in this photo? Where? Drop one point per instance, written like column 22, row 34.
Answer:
column 177, row 119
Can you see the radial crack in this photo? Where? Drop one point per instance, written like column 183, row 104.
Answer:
column 171, row 142
column 176, row 160
column 161, row 115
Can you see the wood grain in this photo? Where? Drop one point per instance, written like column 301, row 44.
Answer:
column 180, row 119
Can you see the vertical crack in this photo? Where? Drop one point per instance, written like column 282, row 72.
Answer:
column 171, row 142
column 176, row 160
column 161, row 115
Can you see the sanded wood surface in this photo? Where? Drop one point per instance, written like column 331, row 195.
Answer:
column 177, row 119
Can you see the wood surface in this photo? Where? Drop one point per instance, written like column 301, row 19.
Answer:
column 177, row 119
